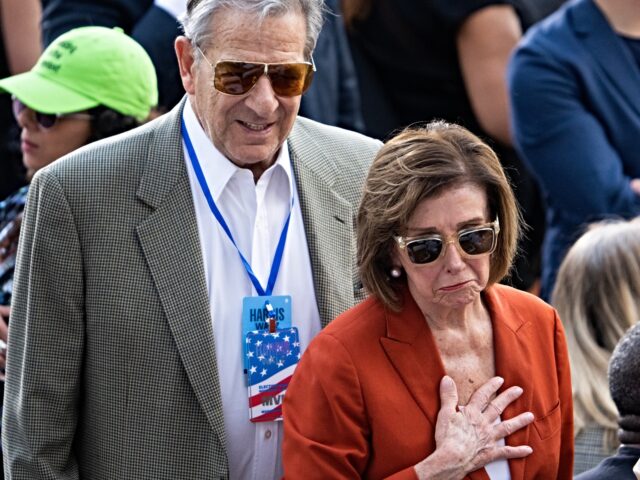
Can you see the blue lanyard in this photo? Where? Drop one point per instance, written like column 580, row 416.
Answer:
column 277, row 258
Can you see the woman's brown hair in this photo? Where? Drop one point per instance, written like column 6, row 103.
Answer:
column 421, row 163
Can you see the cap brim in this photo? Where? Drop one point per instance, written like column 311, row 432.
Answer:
column 44, row 95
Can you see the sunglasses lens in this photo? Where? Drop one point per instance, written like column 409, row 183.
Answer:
column 46, row 120
column 236, row 78
column 290, row 79
column 287, row 79
column 477, row 242
column 424, row 250
column 18, row 107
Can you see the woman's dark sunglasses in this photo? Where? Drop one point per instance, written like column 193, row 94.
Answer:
column 470, row 242
column 45, row 120
column 233, row 77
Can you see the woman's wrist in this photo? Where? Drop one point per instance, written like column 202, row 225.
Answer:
column 440, row 466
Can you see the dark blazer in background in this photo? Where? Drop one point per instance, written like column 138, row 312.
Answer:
column 617, row 467
column 575, row 96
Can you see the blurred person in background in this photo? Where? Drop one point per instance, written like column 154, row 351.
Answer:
column 437, row 229
column 19, row 51
column 624, row 385
column 91, row 83
column 576, row 117
column 597, row 295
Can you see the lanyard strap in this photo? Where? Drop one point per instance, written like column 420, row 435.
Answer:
column 277, row 258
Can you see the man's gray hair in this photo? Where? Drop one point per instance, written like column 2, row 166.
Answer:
column 196, row 22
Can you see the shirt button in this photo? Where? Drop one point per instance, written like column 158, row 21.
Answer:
column 267, row 434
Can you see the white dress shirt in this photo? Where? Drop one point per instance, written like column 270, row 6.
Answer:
column 255, row 214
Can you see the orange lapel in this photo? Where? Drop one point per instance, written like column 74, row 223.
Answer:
column 411, row 349
column 512, row 351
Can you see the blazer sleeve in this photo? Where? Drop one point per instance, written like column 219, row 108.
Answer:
column 325, row 420
column 46, row 340
column 565, row 470
column 562, row 140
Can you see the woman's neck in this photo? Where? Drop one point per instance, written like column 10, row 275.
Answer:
column 622, row 15
column 443, row 318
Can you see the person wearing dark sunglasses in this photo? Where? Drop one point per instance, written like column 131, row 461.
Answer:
column 91, row 83
column 152, row 258
column 442, row 372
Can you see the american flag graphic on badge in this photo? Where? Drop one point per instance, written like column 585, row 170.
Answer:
column 272, row 359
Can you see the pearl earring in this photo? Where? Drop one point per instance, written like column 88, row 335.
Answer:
column 395, row 272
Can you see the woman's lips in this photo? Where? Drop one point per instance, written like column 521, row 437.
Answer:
column 456, row 286
column 27, row 146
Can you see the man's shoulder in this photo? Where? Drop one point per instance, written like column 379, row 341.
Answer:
column 113, row 159
column 314, row 135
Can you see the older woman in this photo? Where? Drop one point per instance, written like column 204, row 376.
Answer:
column 437, row 228
column 598, row 298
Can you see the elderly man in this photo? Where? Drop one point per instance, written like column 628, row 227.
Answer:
column 138, row 255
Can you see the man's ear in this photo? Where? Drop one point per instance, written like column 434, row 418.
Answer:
column 187, row 64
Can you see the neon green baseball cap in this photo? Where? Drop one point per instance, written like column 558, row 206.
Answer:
column 87, row 67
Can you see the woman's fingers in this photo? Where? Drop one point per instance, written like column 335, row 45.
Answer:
column 496, row 406
column 485, row 392
column 507, row 427
column 448, row 394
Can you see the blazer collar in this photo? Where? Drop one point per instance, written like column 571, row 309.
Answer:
column 328, row 222
column 412, row 350
column 607, row 49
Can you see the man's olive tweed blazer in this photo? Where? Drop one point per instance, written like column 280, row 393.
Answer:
column 111, row 370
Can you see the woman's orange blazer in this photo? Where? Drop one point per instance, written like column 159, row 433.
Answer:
column 364, row 399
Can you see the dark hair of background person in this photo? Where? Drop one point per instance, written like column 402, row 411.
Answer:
column 107, row 122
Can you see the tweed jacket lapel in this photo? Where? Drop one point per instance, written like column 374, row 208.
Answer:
column 328, row 224
column 170, row 242
column 609, row 51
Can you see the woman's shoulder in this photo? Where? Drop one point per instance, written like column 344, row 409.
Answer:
column 509, row 296
column 516, row 306
column 366, row 319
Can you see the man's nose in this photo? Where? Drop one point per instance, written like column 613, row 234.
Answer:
column 262, row 99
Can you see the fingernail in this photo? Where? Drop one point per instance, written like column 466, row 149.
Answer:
column 529, row 416
column 447, row 381
column 500, row 380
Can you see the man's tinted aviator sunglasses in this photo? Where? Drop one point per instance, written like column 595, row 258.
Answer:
column 470, row 242
column 237, row 78
column 46, row 120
